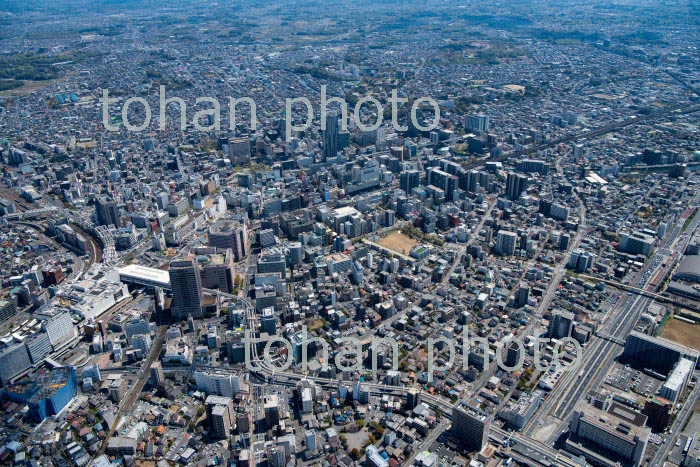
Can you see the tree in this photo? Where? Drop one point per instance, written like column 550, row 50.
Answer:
column 355, row 454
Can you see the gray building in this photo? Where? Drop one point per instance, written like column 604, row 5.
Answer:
column 186, row 286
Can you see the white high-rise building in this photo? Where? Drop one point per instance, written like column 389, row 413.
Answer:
column 220, row 383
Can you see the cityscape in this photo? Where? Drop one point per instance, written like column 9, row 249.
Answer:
column 349, row 233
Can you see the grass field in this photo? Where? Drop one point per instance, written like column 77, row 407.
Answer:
column 398, row 242
column 682, row 333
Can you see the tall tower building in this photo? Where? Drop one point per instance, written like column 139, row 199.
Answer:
column 157, row 375
column 186, row 286
column 515, row 185
column 330, row 136
column 471, row 425
column 107, row 211
column 409, row 180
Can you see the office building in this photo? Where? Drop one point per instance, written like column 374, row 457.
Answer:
column 412, row 398
column 560, row 324
column 516, row 184
column 7, row 310
column 409, row 180
column 636, row 243
column 231, row 234
column 471, row 425
column 186, row 286
column 506, row 243
column 330, row 137
column 218, row 382
column 271, row 406
column 617, row 432
column 658, row 412
column 220, row 414
column 157, row 375
column 107, row 211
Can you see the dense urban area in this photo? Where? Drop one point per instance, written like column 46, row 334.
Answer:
column 350, row 233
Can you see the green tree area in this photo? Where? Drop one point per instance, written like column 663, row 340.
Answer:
column 8, row 84
column 27, row 66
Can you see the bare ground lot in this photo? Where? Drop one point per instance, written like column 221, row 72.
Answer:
column 398, row 242
column 682, row 333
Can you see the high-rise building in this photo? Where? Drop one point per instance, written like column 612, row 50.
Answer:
column 472, row 181
column 276, row 457
column 471, row 425
column 506, row 243
column 516, row 184
column 231, row 234
column 409, row 180
column 220, row 414
column 658, row 412
column 477, row 122
column 107, row 211
column 560, row 324
column 310, row 437
column 220, row 383
column 656, row 353
column 581, row 260
column 157, row 375
column 7, row 310
column 271, row 405
column 330, row 136
column 412, row 398
column 186, row 286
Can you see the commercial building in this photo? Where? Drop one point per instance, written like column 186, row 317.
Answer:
column 47, row 393
column 186, row 286
column 14, row 360
column 228, row 233
column 107, row 211
column 216, row 270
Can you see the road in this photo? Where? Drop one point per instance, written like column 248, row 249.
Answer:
column 599, row 353
column 134, row 392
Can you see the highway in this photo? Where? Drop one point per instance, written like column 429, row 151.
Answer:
column 599, row 353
